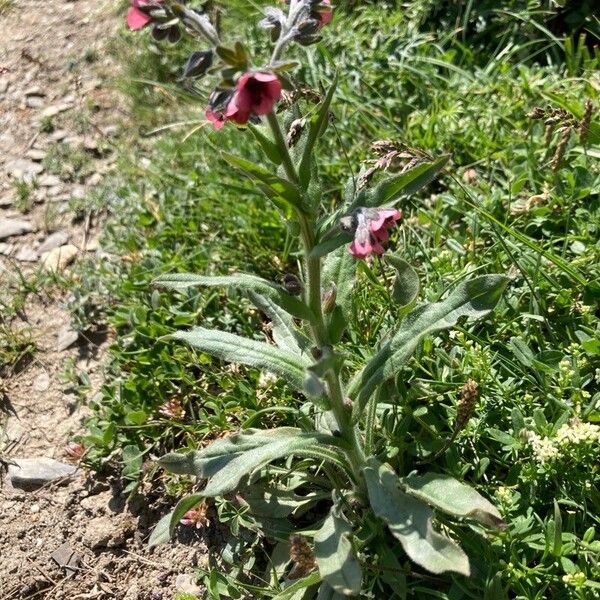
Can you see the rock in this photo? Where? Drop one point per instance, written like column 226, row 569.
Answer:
column 14, row 431
column 42, row 382
column 52, row 111
column 54, row 240
column 94, row 180
column 26, row 254
column 30, row 473
column 10, row 227
column 34, row 91
column 3, row 85
column 66, row 558
column 34, row 102
column 186, row 584
column 36, row 154
column 20, row 167
column 7, row 200
column 54, row 191
column 59, row 258
column 107, row 532
column 6, row 249
column 59, row 135
column 49, row 180
column 66, row 338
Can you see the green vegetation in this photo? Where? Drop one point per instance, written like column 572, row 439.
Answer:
column 519, row 197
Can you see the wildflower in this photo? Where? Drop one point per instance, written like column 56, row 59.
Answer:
column 370, row 227
column 255, row 95
column 266, row 380
column 196, row 516
column 139, row 16
column 577, row 432
column 323, row 13
column 172, row 409
column 74, row 451
column 543, row 448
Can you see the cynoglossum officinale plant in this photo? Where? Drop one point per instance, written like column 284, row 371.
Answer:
column 329, row 466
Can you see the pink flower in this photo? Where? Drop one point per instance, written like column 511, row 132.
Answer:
column 255, row 94
column 137, row 18
column 196, row 516
column 325, row 14
column 74, row 451
column 371, row 227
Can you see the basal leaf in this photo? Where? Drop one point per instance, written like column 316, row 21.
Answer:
column 474, row 298
column 410, row 521
column 234, row 348
column 243, row 282
column 161, row 534
column 453, row 497
column 335, row 557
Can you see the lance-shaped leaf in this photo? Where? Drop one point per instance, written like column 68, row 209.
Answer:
column 406, row 284
column 339, row 269
column 453, row 497
column 237, row 349
column 241, row 281
column 474, row 298
column 404, row 184
column 269, row 147
column 277, row 503
column 161, row 534
column 335, row 558
column 284, row 194
column 316, row 129
column 410, row 521
column 285, row 332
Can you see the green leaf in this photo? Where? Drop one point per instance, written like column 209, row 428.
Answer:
column 246, row 283
column 406, row 284
column 404, row 184
column 276, row 503
column 226, row 461
column 474, row 298
column 269, row 146
column 297, row 586
column 410, row 521
column 328, row 593
column 181, row 508
column 330, row 245
column 316, row 129
column 339, row 269
column 285, row 332
column 161, row 534
column 335, row 558
column 283, row 193
column 453, row 497
column 234, row 348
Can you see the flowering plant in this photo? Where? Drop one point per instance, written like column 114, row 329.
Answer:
column 329, row 466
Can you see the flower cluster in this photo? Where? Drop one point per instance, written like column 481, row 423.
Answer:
column 543, row 448
column 196, row 517
column 172, row 409
column 370, row 227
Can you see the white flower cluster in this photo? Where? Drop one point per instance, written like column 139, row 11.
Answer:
column 574, row 433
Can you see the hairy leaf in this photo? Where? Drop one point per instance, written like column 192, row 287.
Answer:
column 453, row 497
column 406, row 285
column 410, row 521
column 234, row 348
column 334, row 555
column 474, row 298
column 247, row 283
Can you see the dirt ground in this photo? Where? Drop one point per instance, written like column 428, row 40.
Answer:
column 59, row 119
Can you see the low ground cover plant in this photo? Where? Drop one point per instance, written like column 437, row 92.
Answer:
column 506, row 209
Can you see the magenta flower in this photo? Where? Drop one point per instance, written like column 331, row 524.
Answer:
column 370, row 227
column 137, row 17
column 325, row 14
column 254, row 95
column 196, row 516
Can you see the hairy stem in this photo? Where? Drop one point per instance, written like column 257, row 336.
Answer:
column 288, row 165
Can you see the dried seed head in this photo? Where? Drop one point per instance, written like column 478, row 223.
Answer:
column 536, row 113
column 466, row 403
column 559, row 154
column 548, row 135
column 366, row 176
column 302, row 556
column 584, row 127
column 296, row 129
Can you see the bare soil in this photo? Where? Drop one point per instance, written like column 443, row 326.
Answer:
column 59, row 122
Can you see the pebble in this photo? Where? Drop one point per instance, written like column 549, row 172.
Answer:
column 186, row 584
column 11, row 227
column 20, row 167
column 26, row 254
column 49, row 180
column 36, row 154
column 42, row 382
column 58, row 136
column 34, row 91
column 3, row 85
column 27, row 473
column 94, row 180
column 66, row 337
column 59, row 258
column 54, row 240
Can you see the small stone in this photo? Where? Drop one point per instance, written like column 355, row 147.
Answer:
column 54, row 191
column 66, row 558
column 59, row 258
column 66, row 337
column 6, row 249
column 34, row 102
column 54, row 240
column 3, row 85
column 49, row 180
column 36, row 154
column 59, row 135
column 34, row 91
column 26, row 254
column 94, row 180
column 52, row 111
column 42, row 382
column 28, row 473
column 186, row 584
column 11, row 227
column 21, row 167
column 106, row 532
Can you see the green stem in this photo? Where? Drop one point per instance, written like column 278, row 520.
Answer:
column 288, row 165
